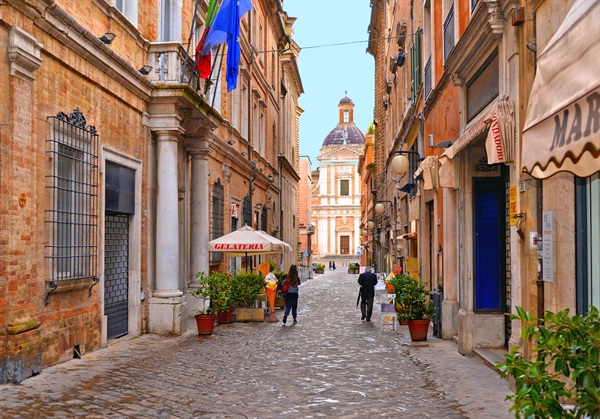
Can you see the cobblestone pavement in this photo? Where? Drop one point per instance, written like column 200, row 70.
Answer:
column 330, row 364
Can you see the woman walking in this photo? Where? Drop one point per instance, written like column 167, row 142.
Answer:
column 291, row 295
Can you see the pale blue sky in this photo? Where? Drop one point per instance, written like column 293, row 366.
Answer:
column 327, row 72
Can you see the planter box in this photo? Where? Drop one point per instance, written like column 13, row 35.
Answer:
column 280, row 302
column 250, row 314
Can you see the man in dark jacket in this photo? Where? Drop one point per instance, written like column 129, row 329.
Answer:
column 367, row 282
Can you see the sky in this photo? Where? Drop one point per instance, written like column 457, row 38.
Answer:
column 328, row 72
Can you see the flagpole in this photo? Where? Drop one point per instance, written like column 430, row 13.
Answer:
column 187, row 51
column 212, row 70
column 212, row 105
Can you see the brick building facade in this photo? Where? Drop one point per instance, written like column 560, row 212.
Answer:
column 114, row 177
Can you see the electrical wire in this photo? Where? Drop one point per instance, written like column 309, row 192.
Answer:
column 339, row 43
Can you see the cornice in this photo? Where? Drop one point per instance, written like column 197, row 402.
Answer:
column 480, row 37
column 55, row 21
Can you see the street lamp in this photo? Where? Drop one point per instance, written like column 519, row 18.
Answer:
column 400, row 163
column 379, row 207
column 370, row 225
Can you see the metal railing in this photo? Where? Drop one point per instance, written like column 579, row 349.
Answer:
column 428, row 77
column 168, row 61
column 449, row 33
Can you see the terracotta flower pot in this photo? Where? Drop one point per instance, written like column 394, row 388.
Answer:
column 205, row 323
column 225, row 316
column 418, row 330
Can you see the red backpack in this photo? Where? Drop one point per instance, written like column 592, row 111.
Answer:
column 285, row 287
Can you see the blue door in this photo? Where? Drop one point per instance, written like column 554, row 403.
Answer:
column 489, row 244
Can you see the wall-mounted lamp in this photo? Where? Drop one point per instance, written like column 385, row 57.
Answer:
column 443, row 144
column 531, row 46
column 108, row 38
column 231, row 142
column 261, row 170
column 401, row 57
column 145, row 70
column 380, row 207
column 271, row 177
column 254, row 162
column 400, row 163
column 370, row 225
column 243, row 153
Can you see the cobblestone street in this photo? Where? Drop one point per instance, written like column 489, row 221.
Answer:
column 330, row 364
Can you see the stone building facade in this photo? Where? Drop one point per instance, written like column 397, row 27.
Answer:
column 337, row 190
column 115, row 176
column 457, row 90
column 306, row 228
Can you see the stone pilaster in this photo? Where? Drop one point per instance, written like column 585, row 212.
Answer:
column 199, row 210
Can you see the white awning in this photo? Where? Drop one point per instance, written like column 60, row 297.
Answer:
column 429, row 170
column 562, row 128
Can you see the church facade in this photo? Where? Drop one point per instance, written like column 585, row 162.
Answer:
column 337, row 190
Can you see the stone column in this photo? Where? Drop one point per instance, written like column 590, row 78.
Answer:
column 199, row 210
column 167, row 217
column 166, row 306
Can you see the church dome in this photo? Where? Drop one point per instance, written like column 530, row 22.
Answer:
column 345, row 132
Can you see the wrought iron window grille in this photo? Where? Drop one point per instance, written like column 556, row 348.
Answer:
column 72, row 251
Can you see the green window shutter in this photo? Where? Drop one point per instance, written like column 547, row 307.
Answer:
column 418, row 58
column 413, row 84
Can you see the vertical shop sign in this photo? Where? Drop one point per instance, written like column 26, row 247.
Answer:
column 513, row 205
column 548, row 251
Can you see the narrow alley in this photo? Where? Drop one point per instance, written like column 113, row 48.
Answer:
column 330, row 364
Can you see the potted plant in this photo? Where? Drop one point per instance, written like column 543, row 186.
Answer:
column 245, row 288
column 395, row 286
column 353, row 268
column 562, row 377
column 280, row 297
column 215, row 289
column 319, row 268
column 414, row 305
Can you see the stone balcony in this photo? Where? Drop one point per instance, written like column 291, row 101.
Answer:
column 171, row 65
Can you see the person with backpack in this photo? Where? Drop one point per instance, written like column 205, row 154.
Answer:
column 290, row 289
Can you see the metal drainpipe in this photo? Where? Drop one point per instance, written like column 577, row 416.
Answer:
column 539, row 213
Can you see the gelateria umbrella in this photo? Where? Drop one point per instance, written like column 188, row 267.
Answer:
column 247, row 241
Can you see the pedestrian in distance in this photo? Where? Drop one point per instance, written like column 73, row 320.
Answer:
column 330, row 265
column 291, row 294
column 367, row 282
column 334, row 266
